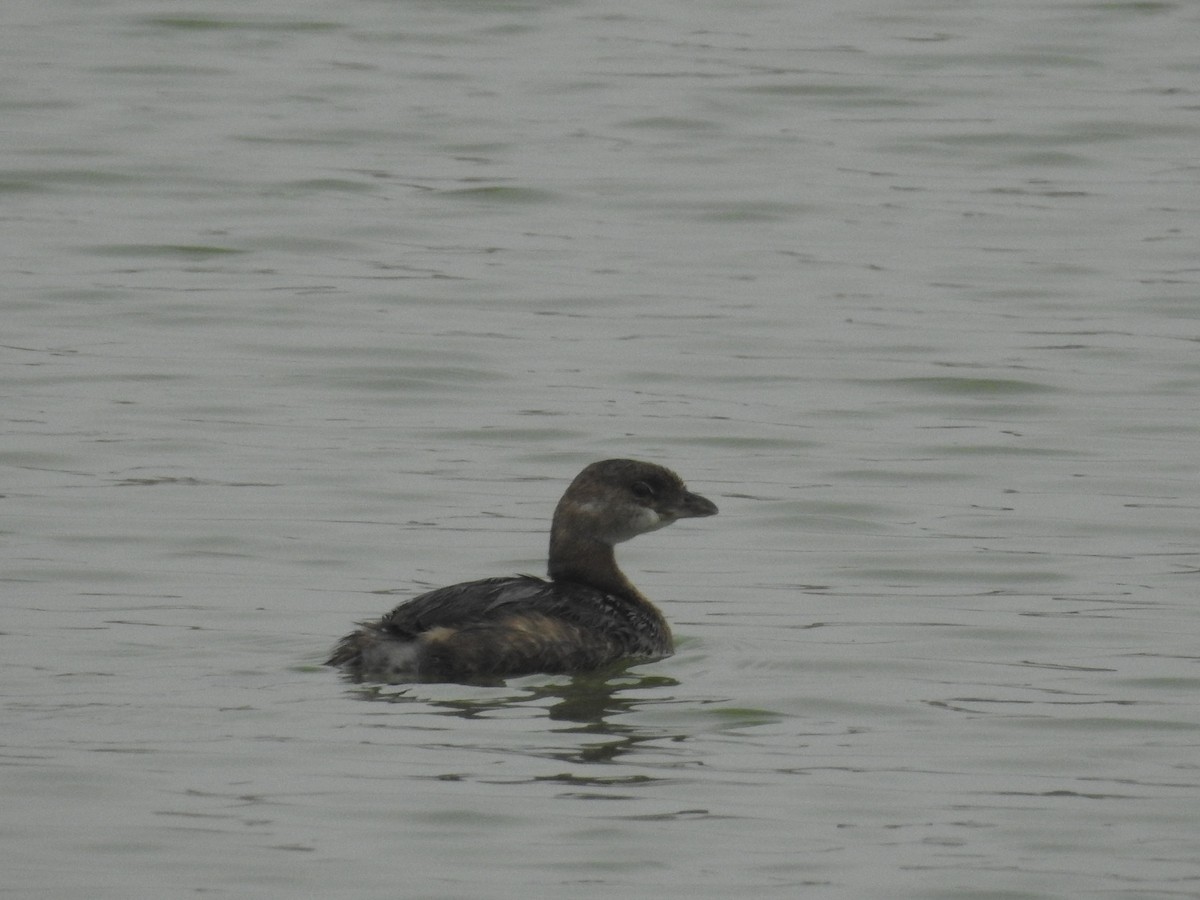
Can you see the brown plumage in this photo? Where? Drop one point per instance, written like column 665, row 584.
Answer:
column 585, row 616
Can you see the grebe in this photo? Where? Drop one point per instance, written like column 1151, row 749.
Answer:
column 586, row 615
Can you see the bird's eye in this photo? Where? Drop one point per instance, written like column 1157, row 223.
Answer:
column 642, row 491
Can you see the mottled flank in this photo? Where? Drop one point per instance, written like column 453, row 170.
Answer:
column 586, row 616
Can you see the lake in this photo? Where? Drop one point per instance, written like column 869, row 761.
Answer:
column 312, row 307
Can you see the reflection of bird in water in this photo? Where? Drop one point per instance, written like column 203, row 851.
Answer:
column 589, row 701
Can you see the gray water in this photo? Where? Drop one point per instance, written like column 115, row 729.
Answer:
column 310, row 306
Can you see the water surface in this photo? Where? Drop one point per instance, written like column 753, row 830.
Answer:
column 308, row 308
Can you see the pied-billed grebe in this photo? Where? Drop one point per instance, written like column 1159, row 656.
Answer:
column 587, row 615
